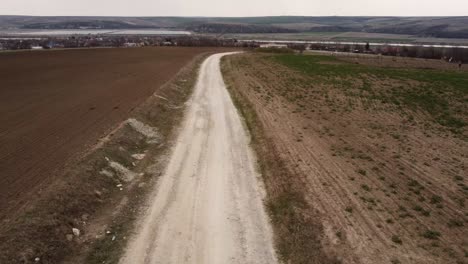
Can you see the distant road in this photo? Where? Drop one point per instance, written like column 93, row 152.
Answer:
column 208, row 205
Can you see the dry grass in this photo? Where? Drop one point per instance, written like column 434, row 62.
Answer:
column 298, row 233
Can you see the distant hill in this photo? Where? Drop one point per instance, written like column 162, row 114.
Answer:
column 441, row 27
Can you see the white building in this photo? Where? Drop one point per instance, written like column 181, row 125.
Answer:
column 273, row 45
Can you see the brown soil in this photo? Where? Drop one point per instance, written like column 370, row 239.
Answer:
column 86, row 191
column 56, row 104
column 365, row 183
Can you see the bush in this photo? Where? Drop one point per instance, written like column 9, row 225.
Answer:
column 435, row 199
column 431, row 234
column 396, row 239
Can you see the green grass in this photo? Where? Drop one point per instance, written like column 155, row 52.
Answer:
column 441, row 94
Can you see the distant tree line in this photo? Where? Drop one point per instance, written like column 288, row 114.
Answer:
column 84, row 41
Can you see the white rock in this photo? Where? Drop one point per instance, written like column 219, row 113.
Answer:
column 37, row 259
column 126, row 174
column 106, row 173
column 76, row 231
column 84, row 217
column 138, row 156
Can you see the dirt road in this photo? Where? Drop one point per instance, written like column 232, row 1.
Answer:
column 207, row 207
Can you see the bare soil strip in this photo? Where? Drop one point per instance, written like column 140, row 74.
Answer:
column 208, row 205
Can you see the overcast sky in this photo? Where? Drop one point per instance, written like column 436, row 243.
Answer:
column 235, row 7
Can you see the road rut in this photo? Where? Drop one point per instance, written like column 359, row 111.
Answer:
column 208, row 205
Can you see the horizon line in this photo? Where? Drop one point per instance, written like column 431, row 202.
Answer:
column 260, row 16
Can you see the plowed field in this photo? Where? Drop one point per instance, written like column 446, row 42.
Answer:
column 54, row 105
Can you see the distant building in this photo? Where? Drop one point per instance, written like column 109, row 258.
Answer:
column 273, row 45
column 130, row 45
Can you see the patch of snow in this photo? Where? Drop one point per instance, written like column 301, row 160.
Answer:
column 106, row 173
column 127, row 175
column 149, row 132
column 164, row 98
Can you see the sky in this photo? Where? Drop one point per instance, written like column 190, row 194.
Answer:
column 234, row 7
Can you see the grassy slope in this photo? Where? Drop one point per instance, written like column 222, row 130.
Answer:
column 442, row 94
column 426, row 26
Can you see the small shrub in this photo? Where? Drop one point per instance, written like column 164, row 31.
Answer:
column 413, row 183
column 455, row 223
column 435, row 199
column 431, row 234
column 339, row 234
column 396, row 239
column 425, row 213
column 366, row 187
column 362, row 172
column 458, row 178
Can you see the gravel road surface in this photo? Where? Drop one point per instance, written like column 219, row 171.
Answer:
column 208, row 205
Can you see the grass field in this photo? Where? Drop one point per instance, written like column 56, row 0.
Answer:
column 442, row 94
column 364, row 156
